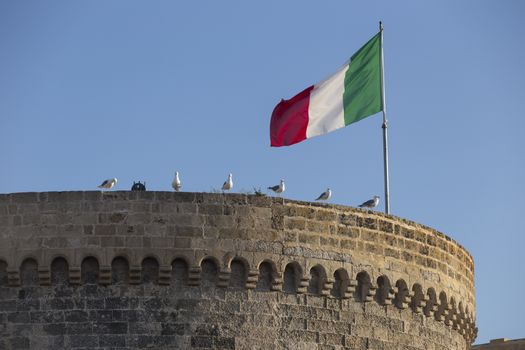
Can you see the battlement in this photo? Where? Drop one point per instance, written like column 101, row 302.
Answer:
column 235, row 242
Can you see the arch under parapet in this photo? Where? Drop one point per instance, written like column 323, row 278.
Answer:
column 402, row 294
column 239, row 273
column 59, row 271
column 29, row 272
column 418, row 301
column 364, row 291
column 89, row 270
column 450, row 317
column 317, row 280
column 267, row 276
column 3, row 273
column 431, row 304
column 384, row 293
column 292, row 277
column 119, row 270
column 342, row 283
column 209, row 271
column 150, row 270
column 179, row 272
column 442, row 308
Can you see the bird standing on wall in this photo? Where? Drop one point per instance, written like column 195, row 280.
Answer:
column 325, row 195
column 278, row 188
column 371, row 203
column 176, row 182
column 228, row 185
column 108, row 183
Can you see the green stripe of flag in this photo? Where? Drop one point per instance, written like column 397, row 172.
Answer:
column 362, row 95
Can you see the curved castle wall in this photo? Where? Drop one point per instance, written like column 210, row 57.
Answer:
column 195, row 270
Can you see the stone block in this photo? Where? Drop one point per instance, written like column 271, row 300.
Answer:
column 186, row 220
column 84, row 341
column 348, row 219
column 332, row 339
column 105, row 230
column 110, row 328
column 95, row 303
column 112, row 341
column 318, row 227
column 201, row 342
column 46, row 316
column 302, row 211
column 18, row 317
column 329, row 242
column 367, row 222
column 25, row 197
column 385, row 226
column 76, row 316
column 187, row 197
column 294, row 224
column 173, row 328
column 184, row 231
column 369, row 235
column 220, row 221
column 211, row 209
column 394, row 253
column 348, row 244
column 161, row 341
column 138, row 218
column 141, row 327
column 224, row 342
column 182, row 242
column 351, row 232
column 130, row 230
column 79, row 328
column 260, row 201
column 54, row 328
column 17, row 343
column 27, row 304
column 374, row 249
column 134, row 242
column 309, row 239
column 114, row 241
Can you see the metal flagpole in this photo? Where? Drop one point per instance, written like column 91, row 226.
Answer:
column 385, row 127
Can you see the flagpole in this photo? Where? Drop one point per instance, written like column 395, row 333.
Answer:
column 384, row 127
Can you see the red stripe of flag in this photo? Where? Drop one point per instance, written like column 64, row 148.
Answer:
column 290, row 120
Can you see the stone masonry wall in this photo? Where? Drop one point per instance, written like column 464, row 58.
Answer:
column 135, row 270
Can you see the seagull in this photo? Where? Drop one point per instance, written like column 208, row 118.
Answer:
column 371, row 203
column 228, row 185
column 108, row 183
column 278, row 188
column 176, row 182
column 325, row 195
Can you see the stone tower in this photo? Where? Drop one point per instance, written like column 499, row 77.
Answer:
column 135, row 270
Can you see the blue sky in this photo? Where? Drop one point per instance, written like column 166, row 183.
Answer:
column 137, row 90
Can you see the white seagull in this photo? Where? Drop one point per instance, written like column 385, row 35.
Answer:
column 176, row 182
column 228, row 185
column 371, row 203
column 325, row 195
column 278, row 188
column 108, row 183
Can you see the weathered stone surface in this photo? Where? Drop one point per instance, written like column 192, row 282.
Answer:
column 196, row 270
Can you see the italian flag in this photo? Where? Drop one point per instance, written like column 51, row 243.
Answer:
column 351, row 94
